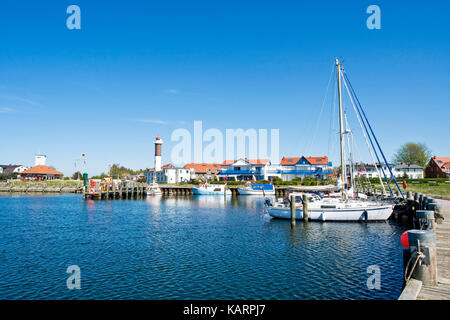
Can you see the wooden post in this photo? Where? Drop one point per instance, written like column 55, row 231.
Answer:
column 424, row 220
column 305, row 208
column 120, row 190
column 292, row 197
column 423, row 242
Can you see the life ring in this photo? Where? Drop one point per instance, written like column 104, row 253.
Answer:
column 91, row 191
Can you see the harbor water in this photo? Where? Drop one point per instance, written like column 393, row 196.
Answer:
column 201, row 247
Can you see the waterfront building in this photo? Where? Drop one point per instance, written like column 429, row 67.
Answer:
column 245, row 169
column 204, row 171
column 167, row 173
column 302, row 167
column 40, row 172
column 438, row 167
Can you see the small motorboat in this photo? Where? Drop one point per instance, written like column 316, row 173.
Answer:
column 211, row 189
column 257, row 189
column 153, row 188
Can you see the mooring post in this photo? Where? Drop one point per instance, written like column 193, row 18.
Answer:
column 305, row 208
column 292, row 198
column 424, row 220
column 408, row 195
column 420, row 201
column 422, row 266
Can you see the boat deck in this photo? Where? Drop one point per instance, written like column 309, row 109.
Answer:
column 442, row 290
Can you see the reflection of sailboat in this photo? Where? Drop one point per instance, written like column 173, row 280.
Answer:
column 336, row 209
column 153, row 188
column 211, row 189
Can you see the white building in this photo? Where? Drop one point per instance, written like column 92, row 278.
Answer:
column 245, row 169
column 413, row 171
column 167, row 173
column 40, row 160
column 370, row 171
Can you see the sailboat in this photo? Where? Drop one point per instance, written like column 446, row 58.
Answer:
column 345, row 208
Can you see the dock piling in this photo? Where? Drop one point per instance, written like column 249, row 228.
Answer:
column 292, row 201
column 422, row 265
column 305, row 207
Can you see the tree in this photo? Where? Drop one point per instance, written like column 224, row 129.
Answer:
column 413, row 153
column 77, row 175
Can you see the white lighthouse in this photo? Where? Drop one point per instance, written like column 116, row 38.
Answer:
column 158, row 160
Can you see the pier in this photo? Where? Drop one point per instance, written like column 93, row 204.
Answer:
column 442, row 290
column 123, row 190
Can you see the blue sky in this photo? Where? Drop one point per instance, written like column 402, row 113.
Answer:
column 141, row 68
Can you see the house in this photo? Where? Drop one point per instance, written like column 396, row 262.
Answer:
column 364, row 170
column 205, row 171
column 40, row 172
column 302, row 167
column 12, row 168
column 244, row 169
column 168, row 174
column 438, row 167
column 412, row 171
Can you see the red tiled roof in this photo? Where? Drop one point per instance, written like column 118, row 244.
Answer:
column 441, row 161
column 166, row 166
column 290, row 161
column 41, row 169
column 203, row 167
column 317, row 160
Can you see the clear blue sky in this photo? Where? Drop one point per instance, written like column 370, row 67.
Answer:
column 141, row 68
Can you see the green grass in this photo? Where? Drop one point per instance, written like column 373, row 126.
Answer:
column 439, row 188
column 50, row 183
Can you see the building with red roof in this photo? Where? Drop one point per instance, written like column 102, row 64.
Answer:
column 205, row 171
column 438, row 167
column 40, row 172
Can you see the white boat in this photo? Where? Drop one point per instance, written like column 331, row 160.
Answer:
column 211, row 189
column 257, row 190
column 153, row 189
column 332, row 209
column 345, row 208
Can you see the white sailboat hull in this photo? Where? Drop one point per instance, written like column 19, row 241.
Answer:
column 375, row 213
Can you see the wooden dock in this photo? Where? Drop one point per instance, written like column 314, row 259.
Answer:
column 442, row 290
column 123, row 190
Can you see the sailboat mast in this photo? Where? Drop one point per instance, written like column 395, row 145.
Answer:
column 341, row 130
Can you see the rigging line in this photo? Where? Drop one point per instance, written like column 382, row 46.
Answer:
column 311, row 141
column 374, row 150
column 376, row 140
column 367, row 140
column 332, row 122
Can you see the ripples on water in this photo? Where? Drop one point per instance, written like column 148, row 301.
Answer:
column 183, row 248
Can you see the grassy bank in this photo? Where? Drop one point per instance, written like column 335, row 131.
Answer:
column 427, row 187
column 49, row 183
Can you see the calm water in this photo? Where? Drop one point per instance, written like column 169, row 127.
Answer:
column 183, row 248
